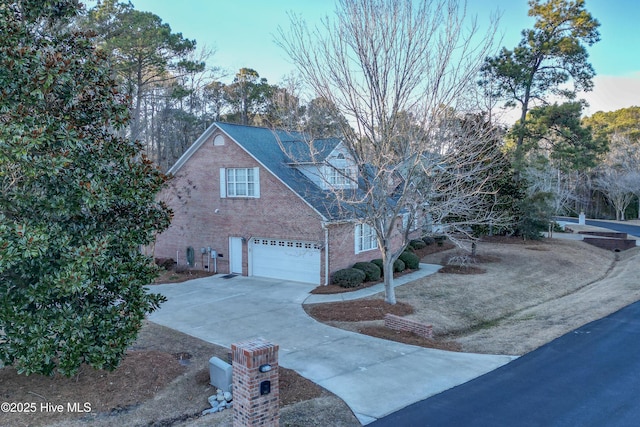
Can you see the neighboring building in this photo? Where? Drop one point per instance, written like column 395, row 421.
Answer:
column 262, row 202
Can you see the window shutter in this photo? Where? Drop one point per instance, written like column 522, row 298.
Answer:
column 357, row 232
column 223, row 183
column 256, row 185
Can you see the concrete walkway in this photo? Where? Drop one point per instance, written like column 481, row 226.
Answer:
column 425, row 270
column 374, row 377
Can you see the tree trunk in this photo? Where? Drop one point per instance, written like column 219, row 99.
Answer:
column 135, row 116
column 389, row 292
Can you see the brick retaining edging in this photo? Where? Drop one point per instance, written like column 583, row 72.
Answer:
column 401, row 324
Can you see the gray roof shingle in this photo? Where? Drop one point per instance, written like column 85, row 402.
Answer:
column 279, row 151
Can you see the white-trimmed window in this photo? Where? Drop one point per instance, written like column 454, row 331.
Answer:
column 339, row 173
column 239, row 182
column 338, row 177
column 405, row 222
column 365, row 238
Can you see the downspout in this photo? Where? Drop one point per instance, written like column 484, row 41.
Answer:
column 326, row 252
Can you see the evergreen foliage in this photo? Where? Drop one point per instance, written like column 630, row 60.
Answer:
column 76, row 202
column 372, row 271
column 411, row 260
column 348, row 277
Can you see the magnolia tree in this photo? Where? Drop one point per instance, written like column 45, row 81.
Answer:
column 77, row 201
column 400, row 72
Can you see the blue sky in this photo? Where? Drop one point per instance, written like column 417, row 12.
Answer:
column 243, row 33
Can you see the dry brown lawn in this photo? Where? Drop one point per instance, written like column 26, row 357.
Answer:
column 524, row 295
column 518, row 296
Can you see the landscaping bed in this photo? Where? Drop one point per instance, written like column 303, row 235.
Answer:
column 527, row 293
column 163, row 381
column 421, row 253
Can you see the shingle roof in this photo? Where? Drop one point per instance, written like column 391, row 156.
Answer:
column 279, row 151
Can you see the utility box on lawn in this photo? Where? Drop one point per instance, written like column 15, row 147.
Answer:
column 220, row 374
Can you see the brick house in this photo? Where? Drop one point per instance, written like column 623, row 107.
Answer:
column 243, row 205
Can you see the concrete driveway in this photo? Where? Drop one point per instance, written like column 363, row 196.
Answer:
column 374, row 377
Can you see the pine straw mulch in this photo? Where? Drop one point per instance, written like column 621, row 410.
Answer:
column 356, row 311
column 140, row 375
column 163, row 380
column 410, row 338
column 173, row 276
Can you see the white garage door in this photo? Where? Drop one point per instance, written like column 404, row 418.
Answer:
column 285, row 259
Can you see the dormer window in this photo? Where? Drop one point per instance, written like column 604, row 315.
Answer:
column 338, row 176
column 335, row 170
column 339, row 172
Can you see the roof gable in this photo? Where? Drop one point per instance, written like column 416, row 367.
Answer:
column 277, row 151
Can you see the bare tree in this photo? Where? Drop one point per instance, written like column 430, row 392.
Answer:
column 562, row 186
column 615, row 185
column 626, row 152
column 619, row 178
column 395, row 70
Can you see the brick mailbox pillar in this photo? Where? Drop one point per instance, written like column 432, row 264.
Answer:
column 255, row 384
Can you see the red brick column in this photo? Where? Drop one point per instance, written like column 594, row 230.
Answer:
column 253, row 404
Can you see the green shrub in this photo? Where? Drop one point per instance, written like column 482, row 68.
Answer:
column 417, row 244
column 380, row 264
column 348, row 278
column 399, row 266
column 410, row 260
column 428, row 240
column 371, row 271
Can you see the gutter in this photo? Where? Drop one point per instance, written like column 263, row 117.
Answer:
column 326, row 252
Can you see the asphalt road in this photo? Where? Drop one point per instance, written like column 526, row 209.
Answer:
column 633, row 230
column 588, row 377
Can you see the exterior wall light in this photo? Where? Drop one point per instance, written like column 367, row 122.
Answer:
column 264, row 368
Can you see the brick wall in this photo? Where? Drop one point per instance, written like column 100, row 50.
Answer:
column 194, row 196
column 342, row 247
column 203, row 219
column 611, row 244
column 398, row 323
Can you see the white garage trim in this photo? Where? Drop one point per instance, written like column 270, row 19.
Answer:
column 293, row 260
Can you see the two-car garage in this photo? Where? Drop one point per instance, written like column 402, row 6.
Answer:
column 284, row 259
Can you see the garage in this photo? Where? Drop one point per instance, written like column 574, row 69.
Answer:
column 285, row 259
